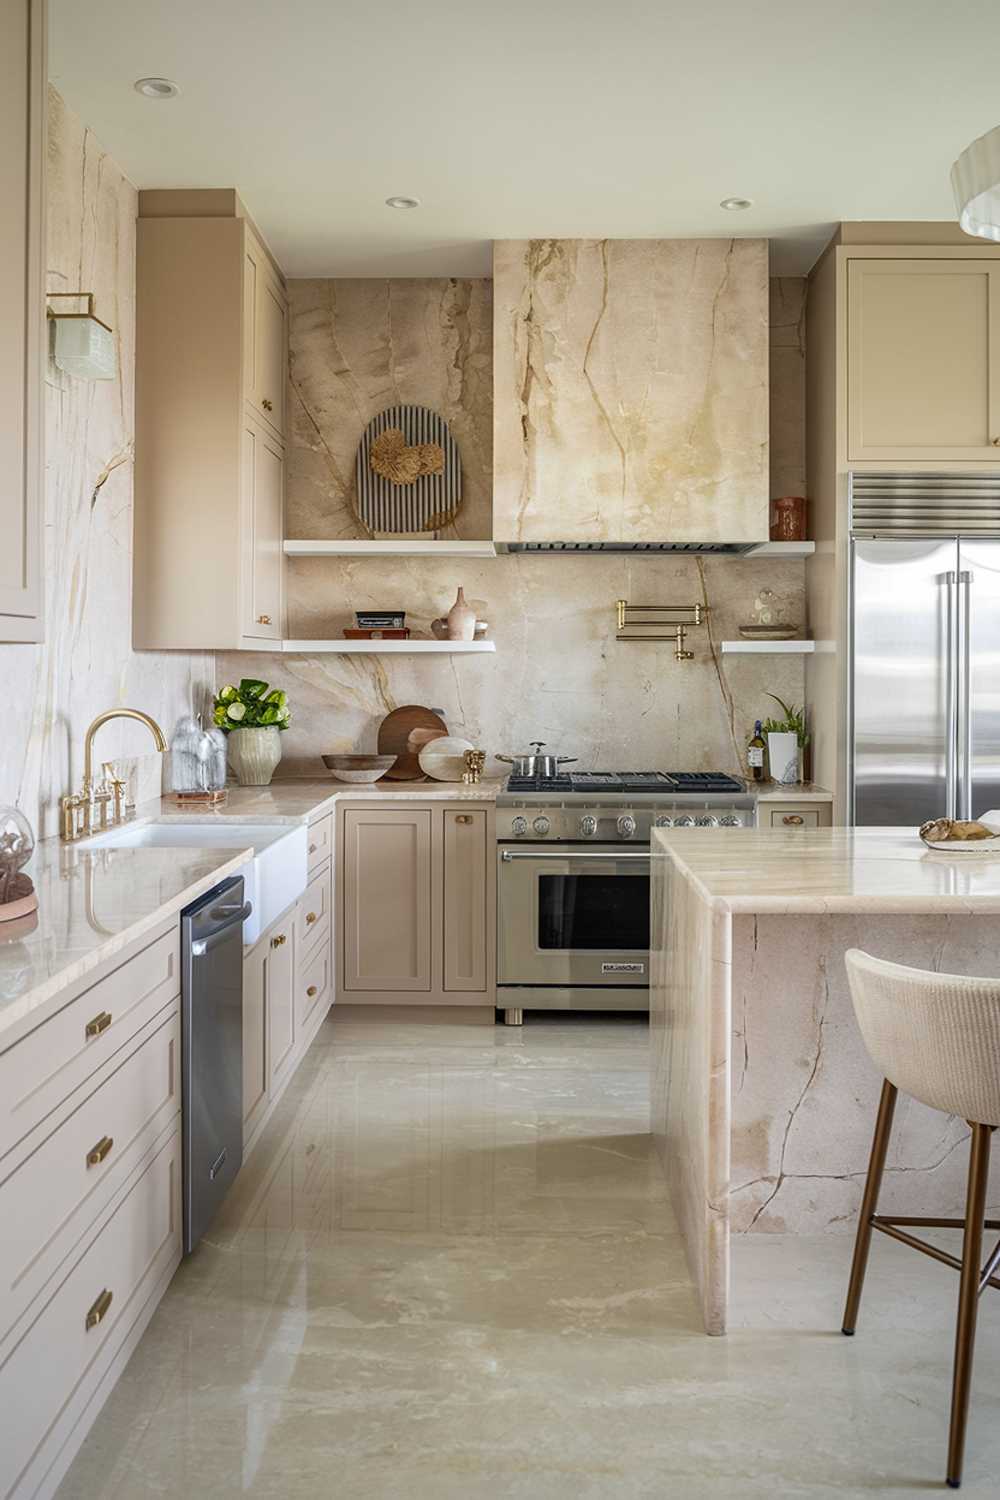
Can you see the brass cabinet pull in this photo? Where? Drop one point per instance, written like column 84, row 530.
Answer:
column 97, row 1153
column 996, row 442
column 267, row 405
column 99, row 1310
column 310, row 918
column 312, row 848
column 97, row 1025
column 312, row 990
column 464, row 818
column 795, row 818
column 263, row 619
column 276, row 942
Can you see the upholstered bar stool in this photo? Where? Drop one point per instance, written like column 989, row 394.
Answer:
column 936, row 1037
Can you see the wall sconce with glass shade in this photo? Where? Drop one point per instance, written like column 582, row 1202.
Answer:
column 975, row 181
column 82, row 345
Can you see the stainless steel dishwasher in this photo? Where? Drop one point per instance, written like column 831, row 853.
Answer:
column 211, row 1051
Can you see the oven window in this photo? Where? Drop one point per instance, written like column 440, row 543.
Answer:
column 593, row 911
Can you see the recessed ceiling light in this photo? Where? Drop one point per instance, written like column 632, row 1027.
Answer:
column 156, row 88
column 402, row 202
column 735, row 205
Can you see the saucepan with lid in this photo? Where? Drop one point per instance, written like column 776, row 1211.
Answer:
column 536, row 764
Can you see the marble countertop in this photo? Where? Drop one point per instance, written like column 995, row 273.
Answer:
column 306, row 800
column 746, row 870
column 781, row 791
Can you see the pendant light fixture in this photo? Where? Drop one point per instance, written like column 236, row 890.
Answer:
column 975, row 181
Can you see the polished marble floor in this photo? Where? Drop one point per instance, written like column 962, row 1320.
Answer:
column 449, row 1271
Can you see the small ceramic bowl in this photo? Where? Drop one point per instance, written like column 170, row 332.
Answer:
column 362, row 770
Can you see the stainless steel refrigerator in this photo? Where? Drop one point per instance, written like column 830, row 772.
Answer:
column 925, row 680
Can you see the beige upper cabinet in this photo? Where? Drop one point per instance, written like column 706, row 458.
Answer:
column 923, row 360
column 211, row 358
column 22, row 316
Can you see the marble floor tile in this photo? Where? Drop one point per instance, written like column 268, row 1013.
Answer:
column 449, row 1270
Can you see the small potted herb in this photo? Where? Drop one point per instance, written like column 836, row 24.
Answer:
column 786, row 739
column 252, row 717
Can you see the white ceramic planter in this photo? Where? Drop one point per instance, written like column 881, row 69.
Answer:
column 783, row 757
column 254, row 754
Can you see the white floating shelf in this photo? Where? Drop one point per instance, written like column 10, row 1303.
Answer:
column 782, row 549
column 391, row 648
column 389, row 549
column 768, row 648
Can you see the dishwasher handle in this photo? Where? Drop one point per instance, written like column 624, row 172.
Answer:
column 236, row 916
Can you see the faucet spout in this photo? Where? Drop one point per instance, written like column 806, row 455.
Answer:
column 116, row 713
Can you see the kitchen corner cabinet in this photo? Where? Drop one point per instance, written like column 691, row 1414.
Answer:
column 211, row 359
column 923, row 360
column 22, row 304
column 417, row 899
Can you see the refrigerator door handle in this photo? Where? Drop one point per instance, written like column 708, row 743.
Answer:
column 964, row 751
column 951, row 672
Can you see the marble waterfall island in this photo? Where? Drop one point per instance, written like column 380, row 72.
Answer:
column 763, row 1097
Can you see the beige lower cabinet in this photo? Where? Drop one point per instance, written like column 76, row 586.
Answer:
column 794, row 815
column 280, row 966
column 417, row 900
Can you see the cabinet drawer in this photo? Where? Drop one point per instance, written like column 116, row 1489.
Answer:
column 320, row 842
column 312, row 915
column 312, row 986
column 42, row 1070
column 797, row 817
column 95, row 1306
column 53, row 1198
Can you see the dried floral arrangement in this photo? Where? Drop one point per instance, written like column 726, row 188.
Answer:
column 399, row 462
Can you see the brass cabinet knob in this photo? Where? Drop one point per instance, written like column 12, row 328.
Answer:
column 276, row 942
column 310, row 918
column 263, row 619
column 464, row 818
column 794, row 818
column 98, row 1311
column 97, row 1025
column 266, row 405
column 312, row 990
column 312, row 848
column 97, row 1153
column 996, row 442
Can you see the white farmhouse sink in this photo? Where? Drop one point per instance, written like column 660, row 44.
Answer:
column 274, row 877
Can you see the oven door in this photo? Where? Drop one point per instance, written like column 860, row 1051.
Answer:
column 573, row 916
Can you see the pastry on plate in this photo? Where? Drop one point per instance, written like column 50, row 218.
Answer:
column 954, row 831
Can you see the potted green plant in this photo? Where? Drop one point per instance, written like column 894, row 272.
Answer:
column 252, row 717
column 787, row 737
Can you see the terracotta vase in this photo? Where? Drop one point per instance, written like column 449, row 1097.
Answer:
column 254, row 754
column 461, row 620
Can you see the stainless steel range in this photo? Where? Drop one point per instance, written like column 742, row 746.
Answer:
column 573, row 880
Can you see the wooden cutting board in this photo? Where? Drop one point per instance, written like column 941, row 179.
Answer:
column 404, row 733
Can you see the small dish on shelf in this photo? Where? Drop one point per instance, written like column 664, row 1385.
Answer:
column 361, row 770
column 769, row 632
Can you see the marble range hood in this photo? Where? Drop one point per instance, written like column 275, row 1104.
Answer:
column 630, row 395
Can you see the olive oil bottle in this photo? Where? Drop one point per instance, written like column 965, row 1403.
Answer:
column 755, row 753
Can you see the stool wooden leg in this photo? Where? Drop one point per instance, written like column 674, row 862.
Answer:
column 968, row 1298
column 869, row 1203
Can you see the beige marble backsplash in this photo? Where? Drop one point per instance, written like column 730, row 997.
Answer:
column 86, row 663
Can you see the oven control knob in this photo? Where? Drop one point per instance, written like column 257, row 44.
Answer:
column 519, row 827
column 730, row 820
column 541, row 825
column 684, row 821
column 588, row 826
column 706, row 820
column 626, row 825
column 664, row 821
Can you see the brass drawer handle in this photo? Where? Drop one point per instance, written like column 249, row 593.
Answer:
column 97, row 1025
column 267, row 405
column 794, row 818
column 311, row 917
column 276, row 942
column 312, row 848
column 996, row 442
column 97, row 1313
column 464, row 818
column 97, row 1153
column 263, row 619
column 312, row 990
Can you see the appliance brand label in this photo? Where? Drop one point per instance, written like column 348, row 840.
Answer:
column 623, row 968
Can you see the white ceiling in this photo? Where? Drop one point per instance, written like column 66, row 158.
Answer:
column 536, row 117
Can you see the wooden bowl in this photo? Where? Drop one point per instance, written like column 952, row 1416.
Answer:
column 361, row 770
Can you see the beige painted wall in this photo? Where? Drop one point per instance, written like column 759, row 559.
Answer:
column 86, row 664
column 558, row 675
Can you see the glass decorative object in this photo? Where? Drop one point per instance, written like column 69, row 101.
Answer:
column 975, row 182
column 197, row 768
column 17, row 845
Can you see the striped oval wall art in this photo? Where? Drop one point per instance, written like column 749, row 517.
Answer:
column 429, row 500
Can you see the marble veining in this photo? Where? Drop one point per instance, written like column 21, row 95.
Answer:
column 86, row 663
column 630, row 390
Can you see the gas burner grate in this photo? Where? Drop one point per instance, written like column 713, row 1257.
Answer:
column 704, row 781
column 538, row 784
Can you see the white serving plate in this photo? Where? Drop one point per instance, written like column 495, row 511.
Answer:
column 989, row 819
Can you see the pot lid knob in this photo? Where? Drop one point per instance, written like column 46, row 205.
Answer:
column 537, row 745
